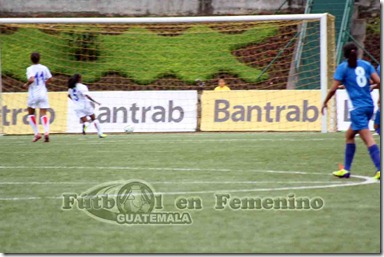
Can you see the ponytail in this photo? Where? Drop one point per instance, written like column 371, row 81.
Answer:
column 352, row 60
column 350, row 53
column 74, row 80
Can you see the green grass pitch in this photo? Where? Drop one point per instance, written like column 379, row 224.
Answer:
column 246, row 165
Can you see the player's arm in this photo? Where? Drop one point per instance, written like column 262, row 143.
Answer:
column 29, row 82
column 49, row 76
column 92, row 100
column 376, row 80
column 48, row 81
column 331, row 93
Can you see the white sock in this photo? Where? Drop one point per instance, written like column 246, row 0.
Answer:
column 45, row 122
column 98, row 127
column 32, row 122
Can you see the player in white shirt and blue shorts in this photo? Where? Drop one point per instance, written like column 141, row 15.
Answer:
column 38, row 77
column 79, row 94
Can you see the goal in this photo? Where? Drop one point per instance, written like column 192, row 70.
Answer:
column 159, row 74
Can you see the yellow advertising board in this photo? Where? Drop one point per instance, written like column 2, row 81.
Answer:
column 14, row 114
column 261, row 110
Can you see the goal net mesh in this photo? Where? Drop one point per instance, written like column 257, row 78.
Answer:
column 258, row 55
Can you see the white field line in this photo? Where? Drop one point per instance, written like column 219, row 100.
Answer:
column 109, row 168
column 172, row 141
column 169, row 182
column 28, row 198
column 105, row 151
column 167, row 138
column 244, row 182
column 183, row 134
column 365, row 181
column 160, row 169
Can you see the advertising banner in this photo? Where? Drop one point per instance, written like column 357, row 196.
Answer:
column 14, row 114
column 261, row 110
column 145, row 111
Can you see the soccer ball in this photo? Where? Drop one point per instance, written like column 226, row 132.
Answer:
column 128, row 129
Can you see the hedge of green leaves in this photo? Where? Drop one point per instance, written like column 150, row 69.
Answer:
column 138, row 53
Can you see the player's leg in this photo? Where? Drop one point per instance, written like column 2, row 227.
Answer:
column 83, row 119
column 33, row 123
column 350, row 149
column 90, row 110
column 373, row 149
column 45, row 121
column 367, row 137
column 43, row 104
column 85, row 123
column 376, row 124
column 97, row 126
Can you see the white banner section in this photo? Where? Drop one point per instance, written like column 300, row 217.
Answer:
column 145, row 111
column 343, row 106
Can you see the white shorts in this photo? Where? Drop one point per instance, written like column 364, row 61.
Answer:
column 87, row 111
column 38, row 102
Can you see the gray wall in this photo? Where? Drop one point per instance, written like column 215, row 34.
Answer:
column 156, row 7
column 144, row 7
column 251, row 6
column 128, row 7
column 373, row 5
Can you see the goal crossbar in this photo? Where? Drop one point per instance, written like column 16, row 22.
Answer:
column 145, row 20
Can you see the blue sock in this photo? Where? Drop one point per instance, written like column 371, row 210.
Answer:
column 378, row 131
column 349, row 154
column 374, row 152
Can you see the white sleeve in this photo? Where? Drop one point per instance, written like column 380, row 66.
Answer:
column 30, row 72
column 48, row 74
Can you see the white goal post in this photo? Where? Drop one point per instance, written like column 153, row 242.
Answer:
column 325, row 38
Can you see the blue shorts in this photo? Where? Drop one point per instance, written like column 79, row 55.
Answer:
column 360, row 118
column 377, row 118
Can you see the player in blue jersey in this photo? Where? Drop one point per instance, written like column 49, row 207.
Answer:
column 355, row 75
column 376, row 124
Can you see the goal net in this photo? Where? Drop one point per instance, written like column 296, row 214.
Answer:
column 160, row 74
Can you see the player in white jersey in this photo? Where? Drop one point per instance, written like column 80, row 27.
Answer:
column 79, row 94
column 38, row 78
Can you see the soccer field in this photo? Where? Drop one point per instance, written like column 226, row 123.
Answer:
column 218, row 171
